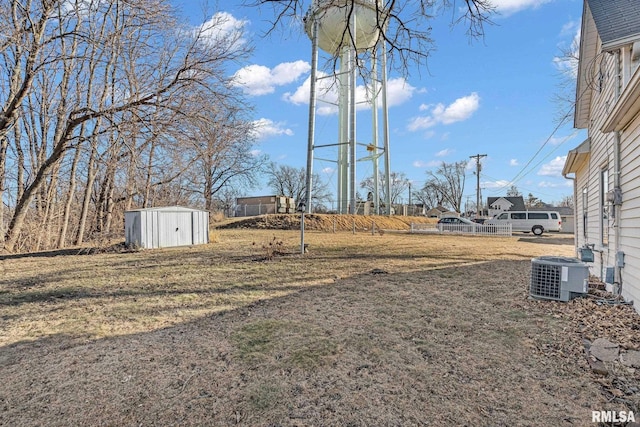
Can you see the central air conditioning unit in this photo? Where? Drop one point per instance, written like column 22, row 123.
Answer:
column 558, row 278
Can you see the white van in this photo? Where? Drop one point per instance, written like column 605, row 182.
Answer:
column 536, row 222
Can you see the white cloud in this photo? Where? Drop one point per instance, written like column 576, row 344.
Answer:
column 461, row 109
column 554, row 167
column 328, row 170
column 325, row 90
column 223, row 29
column 556, row 140
column 255, row 153
column 514, row 162
column 289, row 72
column 571, row 28
column 548, row 184
column 398, row 92
column 499, row 184
column 443, row 153
column 429, row 164
column 260, row 80
column 265, row 128
column 509, row 7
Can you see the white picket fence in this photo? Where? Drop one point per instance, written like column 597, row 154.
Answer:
column 470, row 229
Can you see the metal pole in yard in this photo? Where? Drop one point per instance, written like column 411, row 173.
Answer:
column 302, row 232
column 301, row 208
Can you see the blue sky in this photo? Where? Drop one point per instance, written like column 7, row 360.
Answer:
column 493, row 96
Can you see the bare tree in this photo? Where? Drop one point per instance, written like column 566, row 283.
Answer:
column 567, row 66
column 404, row 25
column 222, row 150
column 399, row 184
column 448, row 181
column 513, row 192
column 291, row 182
column 84, row 81
column 566, row 202
column 429, row 195
column 532, row 201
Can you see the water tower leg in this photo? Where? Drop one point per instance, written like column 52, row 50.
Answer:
column 343, row 134
column 312, row 116
column 352, row 130
column 385, row 130
column 374, row 133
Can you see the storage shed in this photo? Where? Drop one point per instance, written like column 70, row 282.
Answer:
column 165, row 227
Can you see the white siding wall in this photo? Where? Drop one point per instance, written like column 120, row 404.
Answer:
column 603, row 84
column 581, row 182
column 630, row 210
column 602, row 156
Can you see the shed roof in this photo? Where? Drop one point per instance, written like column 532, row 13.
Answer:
column 167, row 209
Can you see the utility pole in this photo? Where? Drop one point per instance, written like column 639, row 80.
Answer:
column 478, row 169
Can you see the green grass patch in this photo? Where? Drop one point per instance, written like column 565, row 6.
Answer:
column 287, row 344
column 256, row 340
column 264, row 397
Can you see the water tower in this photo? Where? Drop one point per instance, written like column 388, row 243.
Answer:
column 349, row 31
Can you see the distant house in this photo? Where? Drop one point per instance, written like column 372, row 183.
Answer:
column 498, row 205
column 439, row 212
column 605, row 167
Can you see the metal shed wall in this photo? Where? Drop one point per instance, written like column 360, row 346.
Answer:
column 166, row 227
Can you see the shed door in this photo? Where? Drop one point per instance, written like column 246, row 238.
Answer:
column 175, row 229
column 184, row 228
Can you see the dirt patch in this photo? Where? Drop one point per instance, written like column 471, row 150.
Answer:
column 363, row 330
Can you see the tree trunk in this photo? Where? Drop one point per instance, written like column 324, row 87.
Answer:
column 62, row 237
column 88, row 191
column 4, row 143
column 147, row 184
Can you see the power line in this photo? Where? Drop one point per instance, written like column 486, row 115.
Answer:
column 590, row 80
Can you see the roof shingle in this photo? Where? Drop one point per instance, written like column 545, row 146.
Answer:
column 617, row 21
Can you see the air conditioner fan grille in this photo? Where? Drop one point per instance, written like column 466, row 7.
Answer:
column 545, row 281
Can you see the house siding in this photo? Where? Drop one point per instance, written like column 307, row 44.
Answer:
column 602, row 80
column 581, row 182
column 604, row 89
column 630, row 210
column 606, row 99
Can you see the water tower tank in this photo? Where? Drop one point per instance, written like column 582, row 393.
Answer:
column 333, row 19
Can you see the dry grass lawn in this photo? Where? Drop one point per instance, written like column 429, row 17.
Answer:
column 365, row 329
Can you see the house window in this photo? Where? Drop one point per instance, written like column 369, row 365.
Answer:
column 585, row 212
column 604, row 207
